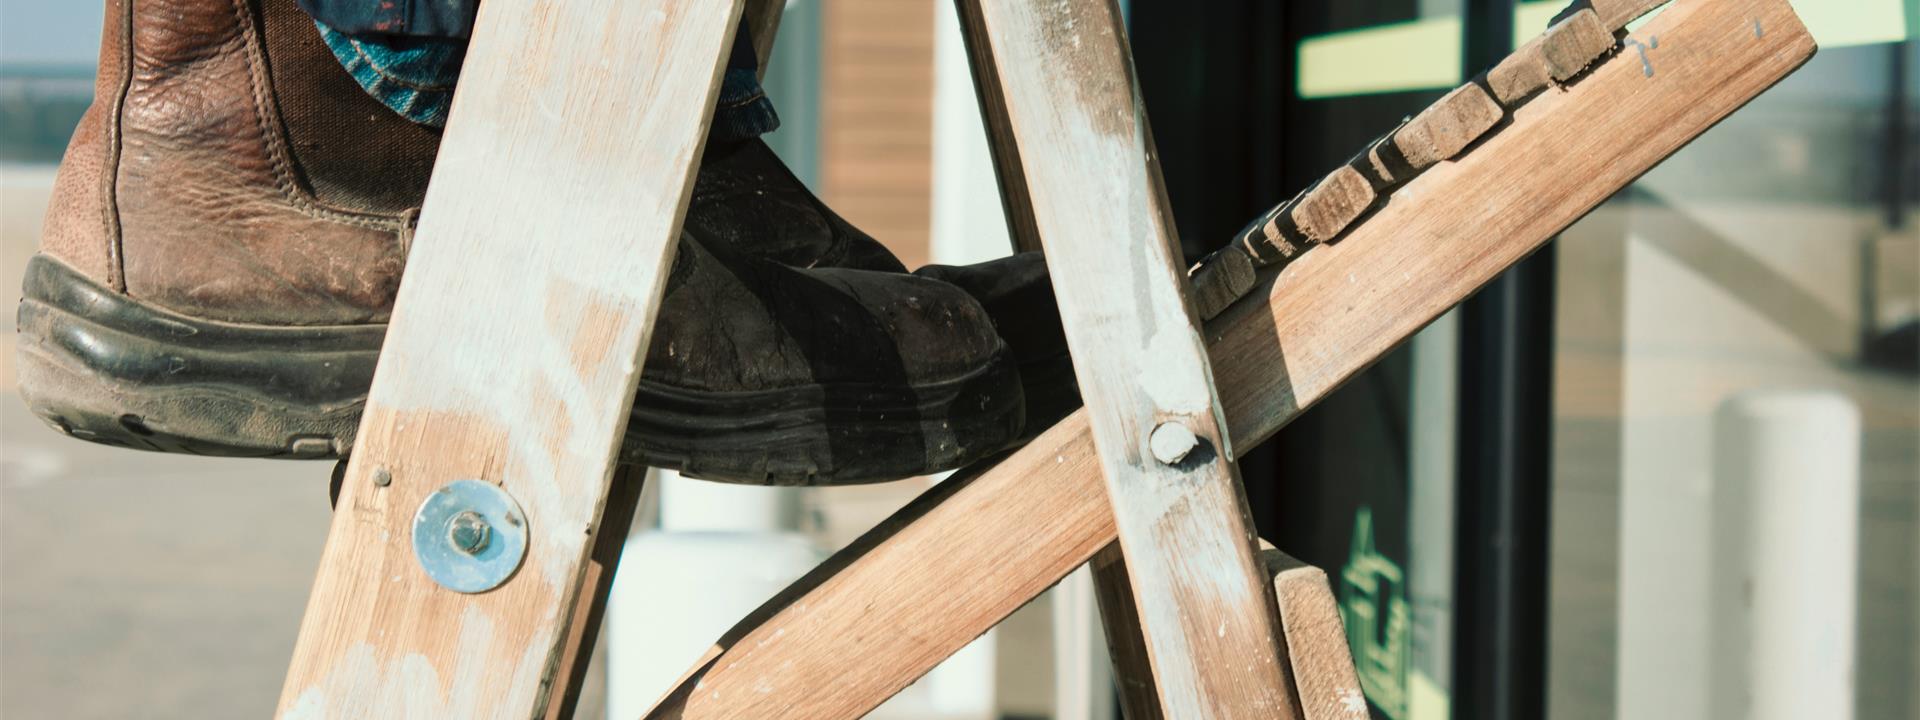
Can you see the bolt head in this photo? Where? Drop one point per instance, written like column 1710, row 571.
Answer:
column 1171, row 441
column 469, row 533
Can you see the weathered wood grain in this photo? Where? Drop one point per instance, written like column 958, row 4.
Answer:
column 1519, row 75
column 1570, row 45
column 1321, row 680
column 1221, row 279
column 1110, row 581
column 881, row 613
column 1578, row 36
column 1204, row 605
column 1324, row 680
column 1111, row 584
column 1447, row 126
column 959, row 560
column 1460, row 223
column 1333, row 204
column 513, row 351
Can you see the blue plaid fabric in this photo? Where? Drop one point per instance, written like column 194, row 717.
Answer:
column 407, row 54
column 412, row 75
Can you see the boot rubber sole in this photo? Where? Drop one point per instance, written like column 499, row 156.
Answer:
column 101, row 366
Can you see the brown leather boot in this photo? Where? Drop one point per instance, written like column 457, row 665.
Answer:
column 231, row 221
column 223, row 170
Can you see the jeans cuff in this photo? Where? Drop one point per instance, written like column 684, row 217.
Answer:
column 743, row 111
column 412, row 76
column 415, row 77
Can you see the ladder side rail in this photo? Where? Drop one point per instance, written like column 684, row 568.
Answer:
column 513, row 352
column 1203, row 600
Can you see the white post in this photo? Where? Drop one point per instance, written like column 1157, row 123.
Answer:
column 721, row 550
column 1785, row 556
column 969, row 224
column 1082, row 672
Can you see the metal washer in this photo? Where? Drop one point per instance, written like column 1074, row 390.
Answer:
column 505, row 546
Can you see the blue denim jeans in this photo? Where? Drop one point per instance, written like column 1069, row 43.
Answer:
column 407, row 54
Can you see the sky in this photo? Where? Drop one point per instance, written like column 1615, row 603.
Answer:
column 50, row 32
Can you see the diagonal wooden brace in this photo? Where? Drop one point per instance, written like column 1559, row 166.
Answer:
column 950, row 565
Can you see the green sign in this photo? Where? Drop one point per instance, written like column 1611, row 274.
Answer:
column 1373, row 602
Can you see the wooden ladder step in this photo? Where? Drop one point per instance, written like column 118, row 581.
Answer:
column 1579, row 37
column 1318, row 656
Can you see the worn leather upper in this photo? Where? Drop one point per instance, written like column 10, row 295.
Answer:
column 82, row 228
column 218, row 180
column 746, row 201
column 230, row 169
column 730, row 323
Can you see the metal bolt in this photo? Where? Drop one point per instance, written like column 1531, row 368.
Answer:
column 382, row 477
column 469, row 532
column 469, row 535
column 1171, row 441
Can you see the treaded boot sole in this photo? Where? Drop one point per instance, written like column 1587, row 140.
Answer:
column 100, row 366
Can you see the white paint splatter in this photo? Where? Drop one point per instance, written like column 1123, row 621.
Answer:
column 1353, row 703
column 1170, row 373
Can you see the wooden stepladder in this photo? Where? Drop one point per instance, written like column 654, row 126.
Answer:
column 481, row 515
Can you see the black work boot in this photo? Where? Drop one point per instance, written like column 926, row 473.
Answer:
column 231, row 222
column 746, row 201
column 1018, row 295
column 760, row 369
